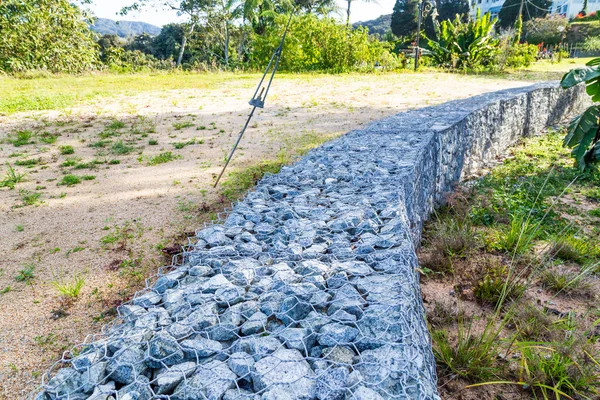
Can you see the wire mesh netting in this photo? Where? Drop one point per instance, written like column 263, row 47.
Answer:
column 306, row 290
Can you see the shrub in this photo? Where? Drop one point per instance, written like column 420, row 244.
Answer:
column 521, row 55
column 550, row 30
column 465, row 45
column 314, row 44
column 498, row 284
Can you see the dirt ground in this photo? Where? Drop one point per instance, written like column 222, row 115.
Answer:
column 110, row 230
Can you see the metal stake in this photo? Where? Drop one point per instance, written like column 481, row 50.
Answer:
column 258, row 100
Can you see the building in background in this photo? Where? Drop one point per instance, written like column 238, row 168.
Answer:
column 567, row 8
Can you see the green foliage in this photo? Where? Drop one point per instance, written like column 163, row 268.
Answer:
column 498, row 284
column 26, row 274
column 11, row 178
column 580, row 250
column 509, row 13
column 66, row 149
column 320, row 44
column 448, row 9
column 162, row 158
column 69, row 288
column 465, row 45
column 520, row 55
column 591, row 44
column 21, row 138
column 69, row 180
column 121, row 60
column 563, row 280
column 550, row 30
column 30, row 198
column 121, row 148
column 45, row 35
column 518, row 237
column 28, row 163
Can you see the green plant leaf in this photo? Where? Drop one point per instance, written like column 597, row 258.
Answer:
column 583, row 131
column 578, row 75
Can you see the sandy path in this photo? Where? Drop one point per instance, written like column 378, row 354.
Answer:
column 61, row 237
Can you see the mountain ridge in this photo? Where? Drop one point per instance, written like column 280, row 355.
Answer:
column 124, row 29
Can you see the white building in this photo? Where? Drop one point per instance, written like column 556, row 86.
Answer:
column 568, row 8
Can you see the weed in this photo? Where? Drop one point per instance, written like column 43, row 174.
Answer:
column 69, row 180
column 46, row 341
column 86, row 165
column 100, row 144
column 11, row 178
column 595, row 213
column 114, row 162
column 531, row 323
column 201, row 128
column 70, row 162
column 143, row 125
column 563, row 280
column 497, row 284
column 21, row 138
column 69, row 288
column 118, row 239
column 592, row 194
column 573, row 248
column 115, row 124
column 121, row 148
column 181, row 125
column 153, row 142
column 28, row 163
column 26, row 274
column 5, row 290
column 162, row 158
column 48, row 138
column 30, row 198
column 88, row 177
column 443, row 314
column 181, row 145
column 19, row 228
column 470, row 356
column 518, row 237
column 66, row 149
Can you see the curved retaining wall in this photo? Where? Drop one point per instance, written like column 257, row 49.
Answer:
column 308, row 288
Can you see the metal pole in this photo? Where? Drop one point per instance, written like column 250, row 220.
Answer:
column 419, row 17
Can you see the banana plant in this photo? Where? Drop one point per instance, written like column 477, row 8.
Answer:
column 583, row 134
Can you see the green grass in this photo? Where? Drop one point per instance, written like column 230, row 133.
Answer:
column 153, row 142
column 181, row 145
column 48, row 138
column 30, row 198
column 69, row 288
column 11, row 178
column 65, row 150
column 70, row 180
column 21, row 138
column 27, row 274
column 120, row 148
column 161, row 158
column 28, row 163
column 70, row 162
column 240, row 181
column 100, row 144
column 182, row 125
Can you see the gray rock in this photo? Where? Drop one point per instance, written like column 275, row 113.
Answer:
column 293, row 310
column 364, row 393
column 242, row 364
column 331, row 384
column 168, row 380
column 65, row 382
column 147, row 299
column 204, row 316
column 239, row 394
column 126, row 365
column 200, row 347
column 298, row 338
column 339, row 355
column 210, row 381
column 255, row 324
column 336, row 335
column 257, row 346
column 201, row 270
column 163, row 349
column 285, row 370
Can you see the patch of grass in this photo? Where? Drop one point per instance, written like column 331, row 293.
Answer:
column 5, row 290
column 19, row 228
column 563, row 280
column 121, row 148
column 201, row 128
column 114, row 162
column 574, row 248
column 153, row 142
column 115, row 124
column 143, row 125
column 100, row 144
column 498, row 284
column 30, row 198
column 595, row 213
column 531, row 323
column 182, row 125
column 21, row 138
column 66, row 149
column 70, row 288
column 26, row 274
column 239, row 181
column 69, row 180
column 88, row 177
column 48, row 138
column 119, row 237
column 28, row 163
column 517, row 237
column 162, row 158
column 11, row 178
column 181, row 145
column 592, row 194
column 70, row 162
column 470, row 356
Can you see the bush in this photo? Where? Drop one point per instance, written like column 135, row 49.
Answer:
column 550, row 30
column 321, row 44
column 466, row 45
column 118, row 59
column 521, row 55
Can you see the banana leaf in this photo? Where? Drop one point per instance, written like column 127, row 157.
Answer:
column 583, row 131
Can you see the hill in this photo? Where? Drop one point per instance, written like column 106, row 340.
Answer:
column 376, row 26
column 105, row 26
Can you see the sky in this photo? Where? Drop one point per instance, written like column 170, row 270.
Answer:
column 360, row 11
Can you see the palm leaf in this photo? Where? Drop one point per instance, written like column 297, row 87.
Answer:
column 582, row 132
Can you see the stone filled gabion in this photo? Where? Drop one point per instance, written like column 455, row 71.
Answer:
column 308, row 289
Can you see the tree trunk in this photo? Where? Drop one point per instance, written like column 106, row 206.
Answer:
column 183, row 43
column 226, row 44
column 348, row 13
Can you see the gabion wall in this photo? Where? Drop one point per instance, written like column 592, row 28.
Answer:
column 308, row 289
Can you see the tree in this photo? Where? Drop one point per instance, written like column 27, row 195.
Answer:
column 167, row 43
column 404, row 17
column 45, row 34
column 448, row 9
column 220, row 17
column 531, row 9
column 194, row 10
column 550, row 30
column 143, row 43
